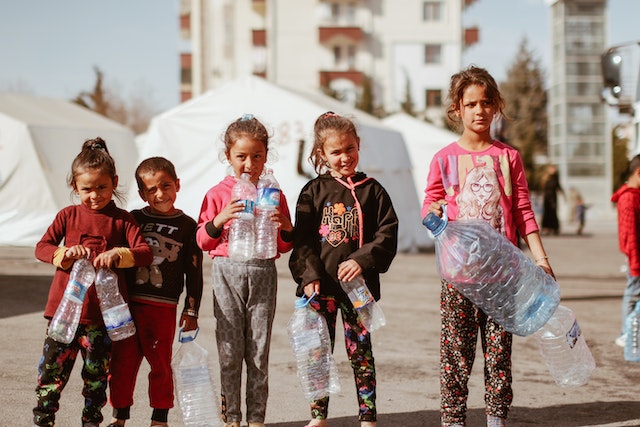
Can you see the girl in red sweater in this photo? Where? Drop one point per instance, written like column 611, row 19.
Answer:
column 96, row 229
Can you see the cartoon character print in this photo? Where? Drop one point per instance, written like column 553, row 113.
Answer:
column 479, row 197
column 339, row 224
column 163, row 248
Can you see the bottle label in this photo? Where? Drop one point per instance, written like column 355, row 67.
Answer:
column 116, row 317
column 363, row 297
column 249, row 206
column 76, row 291
column 268, row 197
column 573, row 334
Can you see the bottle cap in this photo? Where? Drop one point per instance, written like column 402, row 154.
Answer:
column 303, row 301
column 434, row 223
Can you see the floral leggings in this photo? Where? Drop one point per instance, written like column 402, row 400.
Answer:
column 460, row 322
column 359, row 351
column 55, row 368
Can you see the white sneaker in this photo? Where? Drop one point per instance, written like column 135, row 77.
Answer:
column 621, row 340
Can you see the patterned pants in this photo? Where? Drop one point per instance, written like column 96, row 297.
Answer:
column 244, row 304
column 461, row 321
column 360, row 353
column 55, row 367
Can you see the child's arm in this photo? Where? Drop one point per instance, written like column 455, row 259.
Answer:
column 534, row 242
column 285, row 227
column 212, row 220
column 194, row 284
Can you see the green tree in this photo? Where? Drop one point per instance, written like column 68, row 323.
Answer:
column 525, row 125
column 407, row 104
column 365, row 100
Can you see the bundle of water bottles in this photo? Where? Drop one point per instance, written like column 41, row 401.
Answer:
column 505, row 284
column 253, row 234
column 115, row 311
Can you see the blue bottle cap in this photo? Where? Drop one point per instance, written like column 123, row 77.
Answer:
column 434, row 223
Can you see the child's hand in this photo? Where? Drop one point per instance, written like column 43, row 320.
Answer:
column 311, row 288
column 188, row 323
column 349, row 270
column 107, row 259
column 229, row 212
column 281, row 219
column 77, row 252
column 436, row 207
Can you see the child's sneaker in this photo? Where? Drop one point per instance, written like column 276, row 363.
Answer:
column 621, row 340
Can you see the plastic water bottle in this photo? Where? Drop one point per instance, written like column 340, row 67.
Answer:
column 266, row 229
column 64, row 323
column 115, row 312
column 632, row 328
column 241, row 233
column 311, row 345
column 194, row 384
column 493, row 273
column 368, row 309
column 565, row 349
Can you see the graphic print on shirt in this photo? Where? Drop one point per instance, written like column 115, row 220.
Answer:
column 339, row 224
column 164, row 249
column 477, row 181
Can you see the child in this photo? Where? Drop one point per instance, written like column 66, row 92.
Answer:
column 244, row 293
column 627, row 198
column 475, row 100
column 98, row 229
column 345, row 226
column 154, row 293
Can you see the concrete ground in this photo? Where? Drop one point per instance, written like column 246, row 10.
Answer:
column 588, row 269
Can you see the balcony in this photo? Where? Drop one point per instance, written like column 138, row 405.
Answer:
column 330, row 34
column 259, row 37
column 356, row 77
column 471, row 36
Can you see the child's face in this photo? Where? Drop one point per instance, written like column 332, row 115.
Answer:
column 160, row 192
column 247, row 155
column 95, row 188
column 475, row 110
column 340, row 151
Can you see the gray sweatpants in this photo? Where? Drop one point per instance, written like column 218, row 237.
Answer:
column 244, row 303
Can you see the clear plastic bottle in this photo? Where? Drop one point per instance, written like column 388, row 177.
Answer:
column 493, row 273
column 241, row 233
column 368, row 309
column 311, row 345
column 565, row 349
column 115, row 311
column 632, row 328
column 266, row 229
column 194, row 384
column 64, row 324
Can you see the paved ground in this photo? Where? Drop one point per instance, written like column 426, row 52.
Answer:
column 588, row 269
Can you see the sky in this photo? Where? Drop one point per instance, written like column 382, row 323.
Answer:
column 51, row 48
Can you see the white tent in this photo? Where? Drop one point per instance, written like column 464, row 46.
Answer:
column 423, row 141
column 39, row 137
column 190, row 136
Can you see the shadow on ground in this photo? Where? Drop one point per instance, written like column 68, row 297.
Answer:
column 579, row 415
column 15, row 288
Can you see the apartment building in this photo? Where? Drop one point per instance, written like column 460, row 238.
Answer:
column 579, row 128
column 393, row 49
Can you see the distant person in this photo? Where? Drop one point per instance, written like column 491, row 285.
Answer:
column 96, row 229
column 244, row 292
column 627, row 198
column 345, row 226
column 154, row 292
column 478, row 178
column 581, row 213
column 550, row 189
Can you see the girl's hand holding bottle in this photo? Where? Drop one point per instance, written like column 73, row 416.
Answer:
column 349, row 270
column 107, row 259
column 284, row 223
column 229, row 212
column 77, row 252
column 312, row 288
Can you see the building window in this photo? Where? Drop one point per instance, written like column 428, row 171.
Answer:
column 337, row 56
column 432, row 54
column 432, row 11
column 433, row 98
column 351, row 56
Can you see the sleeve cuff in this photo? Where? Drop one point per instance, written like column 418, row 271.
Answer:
column 58, row 258
column 126, row 258
column 213, row 231
column 191, row 312
column 287, row 236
